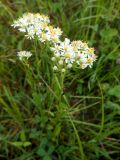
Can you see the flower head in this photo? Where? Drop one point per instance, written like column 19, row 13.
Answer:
column 24, row 54
column 72, row 54
column 37, row 25
column 65, row 54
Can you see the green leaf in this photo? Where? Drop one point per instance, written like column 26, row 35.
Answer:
column 37, row 98
column 112, row 105
column 18, row 144
column 51, row 149
column 79, row 89
column 41, row 152
column 105, row 86
column 57, row 130
column 108, row 33
column 22, row 136
column 21, row 144
column 115, row 91
column 47, row 158
column 26, row 144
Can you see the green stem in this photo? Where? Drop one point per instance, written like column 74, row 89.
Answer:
column 78, row 139
column 61, row 86
column 36, row 56
column 102, row 108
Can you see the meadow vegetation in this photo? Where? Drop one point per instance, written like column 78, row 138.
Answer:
column 78, row 118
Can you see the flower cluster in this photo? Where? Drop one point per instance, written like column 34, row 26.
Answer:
column 70, row 54
column 66, row 54
column 37, row 25
column 24, row 55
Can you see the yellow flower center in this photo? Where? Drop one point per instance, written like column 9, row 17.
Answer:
column 67, row 55
column 90, row 50
column 89, row 60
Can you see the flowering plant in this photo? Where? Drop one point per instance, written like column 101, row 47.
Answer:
column 63, row 54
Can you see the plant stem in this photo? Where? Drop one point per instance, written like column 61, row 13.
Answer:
column 102, row 108
column 61, row 87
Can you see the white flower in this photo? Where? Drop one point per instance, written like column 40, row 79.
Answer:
column 73, row 53
column 54, row 33
column 65, row 54
column 63, row 70
column 43, row 37
column 37, row 24
column 56, row 48
column 69, row 65
column 24, row 54
column 55, row 68
column 61, row 62
column 30, row 32
column 53, row 58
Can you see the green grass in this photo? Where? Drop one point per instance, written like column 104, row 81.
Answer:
column 36, row 121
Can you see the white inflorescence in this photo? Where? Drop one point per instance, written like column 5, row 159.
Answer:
column 24, row 54
column 76, row 53
column 37, row 25
column 66, row 54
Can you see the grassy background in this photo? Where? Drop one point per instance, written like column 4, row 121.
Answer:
column 30, row 126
